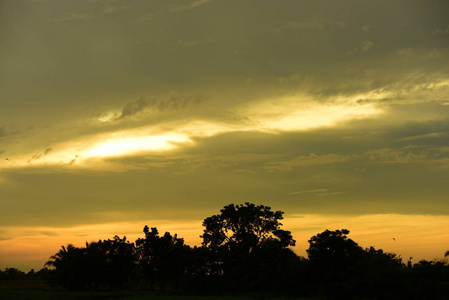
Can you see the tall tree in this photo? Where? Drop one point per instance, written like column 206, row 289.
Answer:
column 118, row 258
column 250, row 248
column 163, row 259
column 69, row 267
column 243, row 228
column 333, row 249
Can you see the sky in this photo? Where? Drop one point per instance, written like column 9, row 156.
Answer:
column 118, row 114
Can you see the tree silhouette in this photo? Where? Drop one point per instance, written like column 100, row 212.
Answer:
column 244, row 250
column 243, row 228
column 250, row 248
column 61, row 257
column 115, row 260
column 163, row 259
column 107, row 264
column 12, row 274
column 342, row 269
column 333, row 249
column 334, row 259
column 68, row 264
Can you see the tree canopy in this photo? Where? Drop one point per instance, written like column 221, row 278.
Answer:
column 333, row 248
column 244, row 250
column 244, row 228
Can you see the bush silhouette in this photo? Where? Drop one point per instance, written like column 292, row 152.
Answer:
column 244, row 250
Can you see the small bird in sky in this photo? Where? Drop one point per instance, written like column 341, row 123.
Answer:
column 394, row 239
column 6, row 158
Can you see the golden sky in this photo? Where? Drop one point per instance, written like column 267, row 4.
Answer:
column 116, row 114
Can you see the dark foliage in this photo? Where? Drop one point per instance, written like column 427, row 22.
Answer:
column 163, row 259
column 12, row 274
column 244, row 228
column 342, row 269
column 244, row 251
column 107, row 264
column 249, row 248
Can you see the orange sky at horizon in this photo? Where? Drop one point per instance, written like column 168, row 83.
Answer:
column 416, row 236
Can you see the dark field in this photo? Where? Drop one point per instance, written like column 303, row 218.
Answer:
column 59, row 294
column 40, row 290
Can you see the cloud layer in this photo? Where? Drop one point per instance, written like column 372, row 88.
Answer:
column 118, row 110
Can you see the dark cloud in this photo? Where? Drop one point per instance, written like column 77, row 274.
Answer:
column 133, row 107
column 171, row 102
column 47, row 233
column 363, row 167
column 387, row 54
column 40, row 154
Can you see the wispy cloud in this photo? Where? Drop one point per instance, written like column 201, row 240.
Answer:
column 40, row 154
column 426, row 136
column 196, row 42
column 308, row 191
column 191, row 5
column 133, row 107
column 307, row 160
column 366, row 45
column 81, row 15
column 172, row 101
column 313, row 23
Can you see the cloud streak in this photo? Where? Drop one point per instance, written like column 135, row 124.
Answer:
column 172, row 102
column 191, row 5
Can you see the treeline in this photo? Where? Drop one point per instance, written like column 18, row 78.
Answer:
column 244, row 250
column 16, row 274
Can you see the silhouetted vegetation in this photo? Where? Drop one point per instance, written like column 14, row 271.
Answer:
column 248, row 249
column 244, row 251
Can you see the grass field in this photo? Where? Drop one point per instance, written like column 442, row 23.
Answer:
column 52, row 294
column 40, row 290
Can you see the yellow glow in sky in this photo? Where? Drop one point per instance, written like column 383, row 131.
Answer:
column 111, row 145
column 296, row 113
column 277, row 115
column 132, row 145
column 321, row 116
column 417, row 236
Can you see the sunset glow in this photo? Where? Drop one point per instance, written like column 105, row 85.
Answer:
column 128, row 146
column 415, row 236
column 117, row 114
